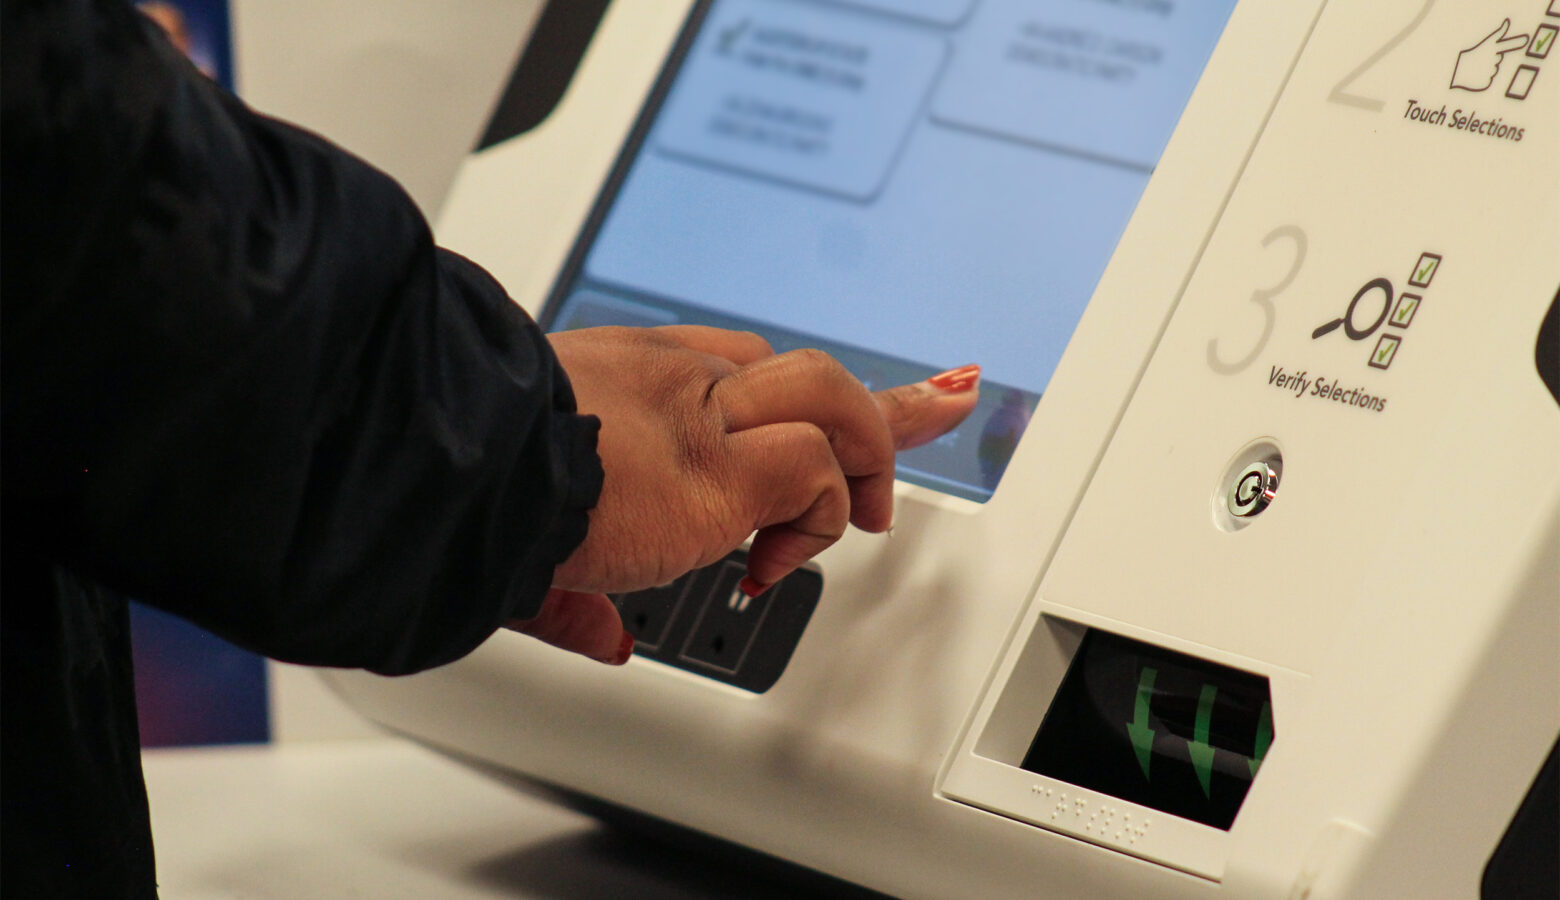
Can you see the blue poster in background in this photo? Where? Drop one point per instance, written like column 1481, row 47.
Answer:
column 192, row 687
column 202, row 29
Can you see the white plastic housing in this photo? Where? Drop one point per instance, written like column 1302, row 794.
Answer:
column 1399, row 593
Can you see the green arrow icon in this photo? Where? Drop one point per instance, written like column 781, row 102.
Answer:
column 1199, row 749
column 1264, row 738
column 1142, row 736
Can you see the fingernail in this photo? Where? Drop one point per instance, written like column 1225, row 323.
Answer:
column 624, row 651
column 956, row 381
column 751, row 586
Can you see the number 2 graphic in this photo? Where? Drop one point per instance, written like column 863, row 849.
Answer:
column 1340, row 92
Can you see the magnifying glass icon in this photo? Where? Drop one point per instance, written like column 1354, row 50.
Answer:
column 1347, row 319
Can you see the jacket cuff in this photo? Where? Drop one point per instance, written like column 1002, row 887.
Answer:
column 580, row 469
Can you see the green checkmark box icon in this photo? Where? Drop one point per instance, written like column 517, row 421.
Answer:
column 1542, row 41
column 1386, row 349
column 1403, row 316
column 1425, row 269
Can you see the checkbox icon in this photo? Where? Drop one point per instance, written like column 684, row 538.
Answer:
column 1425, row 269
column 1407, row 305
column 1386, row 350
column 1554, row 8
column 1543, row 41
column 1522, row 82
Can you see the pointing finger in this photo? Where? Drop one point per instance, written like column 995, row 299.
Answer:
column 919, row 413
column 1515, row 42
column 1504, row 44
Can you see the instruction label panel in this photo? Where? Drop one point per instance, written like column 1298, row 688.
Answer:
column 808, row 96
column 1066, row 75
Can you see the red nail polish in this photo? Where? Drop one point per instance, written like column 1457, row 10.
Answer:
column 956, row 381
column 624, row 651
column 751, row 587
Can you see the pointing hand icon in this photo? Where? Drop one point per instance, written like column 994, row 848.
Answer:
column 1478, row 65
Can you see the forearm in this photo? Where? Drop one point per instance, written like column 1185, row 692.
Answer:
column 241, row 382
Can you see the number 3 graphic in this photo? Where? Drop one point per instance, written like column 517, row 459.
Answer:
column 1263, row 297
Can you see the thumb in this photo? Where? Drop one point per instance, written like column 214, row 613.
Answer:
column 921, row 412
column 1494, row 36
column 582, row 623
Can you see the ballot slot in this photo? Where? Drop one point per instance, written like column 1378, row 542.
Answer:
column 1137, row 742
column 1157, row 728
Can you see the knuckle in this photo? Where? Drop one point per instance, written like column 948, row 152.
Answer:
column 818, row 446
column 897, row 403
column 833, row 514
column 817, row 360
column 758, row 341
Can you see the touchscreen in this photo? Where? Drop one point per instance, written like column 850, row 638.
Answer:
column 911, row 185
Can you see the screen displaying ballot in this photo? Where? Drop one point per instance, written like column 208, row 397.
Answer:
column 911, row 186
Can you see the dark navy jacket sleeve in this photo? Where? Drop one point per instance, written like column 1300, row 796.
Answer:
column 240, row 381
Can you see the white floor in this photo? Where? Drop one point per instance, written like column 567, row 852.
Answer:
column 384, row 819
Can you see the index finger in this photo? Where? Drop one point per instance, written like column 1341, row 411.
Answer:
column 919, row 413
column 1505, row 42
column 1515, row 42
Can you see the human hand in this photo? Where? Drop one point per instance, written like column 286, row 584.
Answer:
column 707, row 437
column 1478, row 66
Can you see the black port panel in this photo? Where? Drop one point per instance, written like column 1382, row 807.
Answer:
column 704, row 623
column 648, row 614
column 728, row 624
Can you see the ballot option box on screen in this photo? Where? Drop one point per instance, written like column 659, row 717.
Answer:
column 1102, row 80
column 819, row 97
